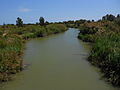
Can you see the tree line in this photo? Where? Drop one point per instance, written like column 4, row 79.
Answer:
column 42, row 22
column 77, row 23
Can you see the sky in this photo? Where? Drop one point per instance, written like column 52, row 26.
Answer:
column 56, row 10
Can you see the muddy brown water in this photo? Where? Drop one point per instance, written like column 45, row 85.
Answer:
column 57, row 62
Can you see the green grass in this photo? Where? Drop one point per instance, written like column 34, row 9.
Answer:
column 11, row 45
column 106, row 55
column 105, row 52
column 10, row 53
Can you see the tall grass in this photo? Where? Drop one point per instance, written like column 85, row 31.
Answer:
column 11, row 45
column 87, row 33
column 106, row 55
column 105, row 52
column 10, row 53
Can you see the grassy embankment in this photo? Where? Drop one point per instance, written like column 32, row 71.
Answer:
column 11, row 45
column 105, row 53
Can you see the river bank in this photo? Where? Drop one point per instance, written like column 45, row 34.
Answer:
column 12, row 39
column 105, row 52
column 57, row 62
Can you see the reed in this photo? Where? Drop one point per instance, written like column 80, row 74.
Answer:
column 11, row 45
column 105, row 52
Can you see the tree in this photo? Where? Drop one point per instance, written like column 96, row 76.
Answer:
column 42, row 21
column 19, row 22
column 104, row 18
column 37, row 23
column 109, row 17
column 118, row 16
column 92, row 20
column 46, row 23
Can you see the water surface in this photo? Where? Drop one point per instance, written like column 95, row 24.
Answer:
column 57, row 62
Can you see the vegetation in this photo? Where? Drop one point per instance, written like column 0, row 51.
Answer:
column 19, row 22
column 104, row 34
column 109, row 17
column 10, row 52
column 42, row 21
column 12, row 38
column 105, row 53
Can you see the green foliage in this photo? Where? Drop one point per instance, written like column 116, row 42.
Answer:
column 46, row 23
column 73, row 24
column 19, row 22
column 33, row 31
column 42, row 21
column 108, row 17
column 41, row 32
column 88, row 30
column 105, row 52
column 55, row 28
column 118, row 20
column 86, row 38
column 11, row 45
column 10, row 51
column 28, row 35
column 106, row 55
column 87, row 33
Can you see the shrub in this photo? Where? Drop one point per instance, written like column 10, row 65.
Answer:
column 106, row 55
column 10, row 56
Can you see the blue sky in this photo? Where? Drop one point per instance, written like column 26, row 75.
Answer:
column 56, row 10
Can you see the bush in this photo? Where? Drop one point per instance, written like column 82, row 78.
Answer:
column 56, row 28
column 88, row 30
column 11, row 45
column 41, row 32
column 105, row 52
column 86, row 38
column 10, row 56
column 106, row 55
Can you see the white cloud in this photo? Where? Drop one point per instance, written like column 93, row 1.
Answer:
column 24, row 10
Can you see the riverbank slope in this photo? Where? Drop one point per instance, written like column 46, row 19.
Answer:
column 12, row 39
column 105, row 52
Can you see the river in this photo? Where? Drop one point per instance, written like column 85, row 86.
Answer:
column 57, row 62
